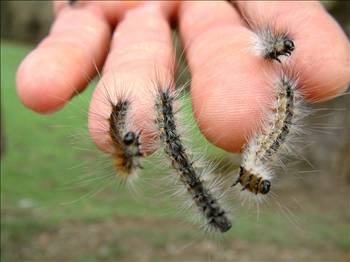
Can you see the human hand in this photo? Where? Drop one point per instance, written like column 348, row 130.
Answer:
column 228, row 83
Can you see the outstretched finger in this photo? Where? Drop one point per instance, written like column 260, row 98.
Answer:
column 141, row 50
column 65, row 61
column 228, row 86
column 232, row 85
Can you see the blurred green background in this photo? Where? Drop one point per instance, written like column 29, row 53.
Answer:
column 60, row 201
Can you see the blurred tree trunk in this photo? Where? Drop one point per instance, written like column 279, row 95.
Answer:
column 27, row 21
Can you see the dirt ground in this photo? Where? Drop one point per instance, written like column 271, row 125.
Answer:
column 157, row 239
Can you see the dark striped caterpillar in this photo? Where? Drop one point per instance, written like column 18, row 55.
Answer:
column 181, row 161
column 126, row 143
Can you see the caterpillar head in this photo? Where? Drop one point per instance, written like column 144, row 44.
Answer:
column 129, row 138
column 264, row 186
column 282, row 47
column 288, row 46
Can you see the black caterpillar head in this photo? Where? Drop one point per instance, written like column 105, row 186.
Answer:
column 264, row 187
column 129, row 138
column 282, row 47
column 288, row 45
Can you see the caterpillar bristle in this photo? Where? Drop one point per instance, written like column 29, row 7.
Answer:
column 182, row 162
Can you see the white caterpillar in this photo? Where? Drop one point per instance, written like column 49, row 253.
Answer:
column 271, row 43
column 266, row 147
column 271, row 40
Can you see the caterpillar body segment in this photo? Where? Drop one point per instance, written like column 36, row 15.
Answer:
column 282, row 120
column 117, row 121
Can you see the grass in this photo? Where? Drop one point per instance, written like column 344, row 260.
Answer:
column 39, row 158
column 37, row 178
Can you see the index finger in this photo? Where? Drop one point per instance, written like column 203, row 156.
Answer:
column 64, row 62
column 137, row 49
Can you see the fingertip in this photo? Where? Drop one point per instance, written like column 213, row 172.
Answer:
column 228, row 117
column 229, row 91
column 108, row 92
column 323, row 83
column 34, row 85
column 229, row 102
column 323, row 59
column 64, row 62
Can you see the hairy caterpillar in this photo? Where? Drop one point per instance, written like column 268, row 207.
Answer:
column 271, row 43
column 126, row 143
column 183, row 163
column 265, row 147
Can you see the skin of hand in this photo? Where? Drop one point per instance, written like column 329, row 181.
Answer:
column 230, row 86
